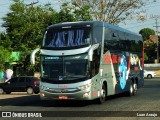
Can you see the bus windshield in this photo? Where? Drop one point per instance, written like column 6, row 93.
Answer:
column 64, row 67
column 67, row 37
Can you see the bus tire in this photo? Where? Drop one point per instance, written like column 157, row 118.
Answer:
column 135, row 88
column 1, row 90
column 131, row 90
column 103, row 95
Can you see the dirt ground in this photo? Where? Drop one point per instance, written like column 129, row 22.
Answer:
column 157, row 72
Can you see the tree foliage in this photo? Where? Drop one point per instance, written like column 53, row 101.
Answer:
column 146, row 32
column 69, row 13
column 5, row 50
column 149, row 45
column 151, row 52
column 113, row 11
column 25, row 25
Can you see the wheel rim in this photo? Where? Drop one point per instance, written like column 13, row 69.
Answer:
column 149, row 76
column 103, row 94
column 135, row 88
column 29, row 90
column 131, row 90
column 1, row 91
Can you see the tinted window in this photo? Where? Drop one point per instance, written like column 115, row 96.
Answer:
column 13, row 80
column 117, row 40
column 22, row 79
column 122, row 41
column 136, row 45
column 67, row 37
column 97, row 35
column 111, row 40
column 28, row 79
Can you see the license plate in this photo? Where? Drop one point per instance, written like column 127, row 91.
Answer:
column 63, row 97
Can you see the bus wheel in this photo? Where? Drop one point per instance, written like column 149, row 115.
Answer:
column 103, row 94
column 135, row 88
column 1, row 91
column 131, row 90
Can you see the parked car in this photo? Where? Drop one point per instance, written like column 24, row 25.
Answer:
column 149, row 74
column 27, row 84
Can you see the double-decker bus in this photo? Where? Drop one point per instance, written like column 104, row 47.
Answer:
column 89, row 60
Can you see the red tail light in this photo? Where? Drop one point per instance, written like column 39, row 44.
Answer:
column 35, row 83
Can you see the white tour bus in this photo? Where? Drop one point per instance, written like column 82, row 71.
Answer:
column 89, row 60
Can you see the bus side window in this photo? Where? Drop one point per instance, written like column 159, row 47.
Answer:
column 115, row 40
column 97, row 35
column 122, row 41
column 107, row 40
column 95, row 63
column 128, row 42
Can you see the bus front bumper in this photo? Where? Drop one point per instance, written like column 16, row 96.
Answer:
column 82, row 95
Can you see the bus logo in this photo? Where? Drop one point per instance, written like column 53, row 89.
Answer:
column 60, row 77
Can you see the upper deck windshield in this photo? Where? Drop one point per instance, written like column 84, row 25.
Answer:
column 64, row 67
column 67, row 37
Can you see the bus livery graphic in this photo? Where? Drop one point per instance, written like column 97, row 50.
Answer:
column 123, row 71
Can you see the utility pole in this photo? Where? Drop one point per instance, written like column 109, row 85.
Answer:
column 156, row 17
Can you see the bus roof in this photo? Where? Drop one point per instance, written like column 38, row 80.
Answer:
column 97, row 23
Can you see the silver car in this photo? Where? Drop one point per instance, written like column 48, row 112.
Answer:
column 149, row 74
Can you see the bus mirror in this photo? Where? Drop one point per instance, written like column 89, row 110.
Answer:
column 114, row 35
column 90, row 53
column 32, row 57
column 90, row 56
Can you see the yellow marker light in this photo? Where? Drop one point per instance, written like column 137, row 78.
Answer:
column 86, row 94
column 43, row 94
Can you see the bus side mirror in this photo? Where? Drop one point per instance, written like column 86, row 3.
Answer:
column 32, row 57
column 114, row 35
column 90, row 53
column 90, row 56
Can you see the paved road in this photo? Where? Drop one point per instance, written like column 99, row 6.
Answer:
column 147, row 99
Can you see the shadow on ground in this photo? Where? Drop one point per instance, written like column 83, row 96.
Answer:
column 34, row 100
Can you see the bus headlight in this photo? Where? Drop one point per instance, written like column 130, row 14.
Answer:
column 44, row 88
column 83, row 87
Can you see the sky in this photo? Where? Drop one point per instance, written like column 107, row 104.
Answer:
column 5, row 4
column 152, row 9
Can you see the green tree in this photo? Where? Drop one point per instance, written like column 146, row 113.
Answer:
column 69, row 13
column 149, row 45
column 150, row 52
column 145, row 57
column 146, row 32
column 5, row 50
column 25, row 25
